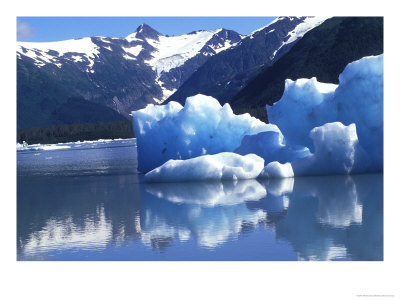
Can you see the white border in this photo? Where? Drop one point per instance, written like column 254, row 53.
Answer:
column 198, row 280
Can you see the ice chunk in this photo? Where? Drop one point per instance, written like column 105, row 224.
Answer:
column 358, row 99
column 36, row 147
column 276, row 170
column 337, row 151
column 271, row 146
column 221, row 166
column 295, row 112
column 22, row 146
column 202, row 127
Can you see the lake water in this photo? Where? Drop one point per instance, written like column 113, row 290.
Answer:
column 86, row 201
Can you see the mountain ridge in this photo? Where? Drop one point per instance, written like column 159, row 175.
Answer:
column 322, row 53
column 124, row 74
column 223, row 75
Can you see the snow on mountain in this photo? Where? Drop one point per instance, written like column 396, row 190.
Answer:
column 300, row 30
column 43, row 53
column 164, row 55
column 173, row 51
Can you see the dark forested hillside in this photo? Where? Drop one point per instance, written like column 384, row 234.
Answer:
column 123, row 74
column 76, row 132
column 42, row 101
column 323, row 52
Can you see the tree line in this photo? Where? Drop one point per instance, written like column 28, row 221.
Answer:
column 76, row 132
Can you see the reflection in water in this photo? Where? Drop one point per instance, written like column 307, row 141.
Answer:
column 208, row 193
column 338, row 217
column 319, row 218
column 66, row 234
column 58, row 214
column 216, row 211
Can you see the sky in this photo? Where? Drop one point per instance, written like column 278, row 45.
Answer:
column 48, row 29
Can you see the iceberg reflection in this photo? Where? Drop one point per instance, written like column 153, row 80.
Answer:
column 335, row 217
column 211, row 212
column 310, row 218
column 323, row 218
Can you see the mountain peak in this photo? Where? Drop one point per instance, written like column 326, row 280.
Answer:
column 145, row 31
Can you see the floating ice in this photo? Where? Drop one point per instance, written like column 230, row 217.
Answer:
column 271, row 146
column 358, row 99
column 276, row 170
column 221, row 166
column 202, row 127
column 295, row 113
column 337, row 151
column 25, row 147
column 341, row 124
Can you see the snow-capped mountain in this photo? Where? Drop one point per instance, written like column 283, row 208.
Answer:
column 244, row 60
column 145, row 67
column 126, row 73
column 323, row 53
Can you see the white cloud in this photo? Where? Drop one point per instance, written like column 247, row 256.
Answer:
column 24, row 31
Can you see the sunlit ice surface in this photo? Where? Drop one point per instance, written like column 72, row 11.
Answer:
column 92, row 204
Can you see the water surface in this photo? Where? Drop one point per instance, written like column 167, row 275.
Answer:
column 87, row 202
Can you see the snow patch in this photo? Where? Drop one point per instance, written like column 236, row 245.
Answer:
column 39, row 51
column 301, row 29
column 135, row 50
column 174, row 51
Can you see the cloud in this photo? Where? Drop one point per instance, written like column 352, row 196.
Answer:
column 24, row 31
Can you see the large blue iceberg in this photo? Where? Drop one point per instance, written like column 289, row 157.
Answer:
column 358, row 99
column 202, row 127
column 316, row 129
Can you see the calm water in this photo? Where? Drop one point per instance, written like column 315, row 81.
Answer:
column 87, row 202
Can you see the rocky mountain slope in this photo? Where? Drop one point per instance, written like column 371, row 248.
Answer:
column 124, row 74
column 323, row 53
column 223, row 75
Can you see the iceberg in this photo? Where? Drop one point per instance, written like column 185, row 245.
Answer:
column 201, row 127
column 295, row 113
column 358, row 99
column 277, row 170
column 317, row 129
column 337, row 151
column 221, row 166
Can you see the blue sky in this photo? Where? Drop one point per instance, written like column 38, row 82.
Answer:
column 46, row 29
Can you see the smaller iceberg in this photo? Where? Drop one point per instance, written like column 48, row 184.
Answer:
column 221, row 166
column 358, row 99
column 277, row 170
column 337, row 151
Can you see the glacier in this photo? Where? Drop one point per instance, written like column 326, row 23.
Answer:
column 316, row 129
